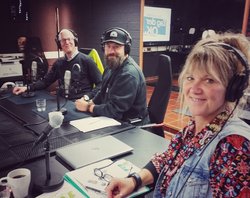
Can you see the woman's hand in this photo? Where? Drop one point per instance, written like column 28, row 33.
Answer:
column 120, row 187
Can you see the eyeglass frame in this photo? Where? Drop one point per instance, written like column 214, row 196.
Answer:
column 104, row 176
column 63, row 40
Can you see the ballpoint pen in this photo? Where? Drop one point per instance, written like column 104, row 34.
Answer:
column 91, row 188
column 94, row 189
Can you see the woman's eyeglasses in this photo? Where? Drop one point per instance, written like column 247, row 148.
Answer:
column 104, row 176
column 101, row 175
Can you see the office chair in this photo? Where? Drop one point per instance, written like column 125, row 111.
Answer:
column 95, row 56
column 33, row 51
column 158, row 102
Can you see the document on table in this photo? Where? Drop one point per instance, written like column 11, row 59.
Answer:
column 82, row 182
column 90, row 185
column 93, row 123
column 66, row 191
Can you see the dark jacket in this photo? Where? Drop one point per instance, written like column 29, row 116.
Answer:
column 123, row 93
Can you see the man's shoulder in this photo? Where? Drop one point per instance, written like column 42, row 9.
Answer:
column 84, row 56
column 132, row 68
column 59, row 61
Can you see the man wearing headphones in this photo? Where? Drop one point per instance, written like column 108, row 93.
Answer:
column 85, row 79
column 123, row 92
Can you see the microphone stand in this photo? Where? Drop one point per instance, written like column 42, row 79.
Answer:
column 48, row 183
column 28, row 93
column 63, row 110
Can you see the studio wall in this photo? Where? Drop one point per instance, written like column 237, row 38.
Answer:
column 91, row 18
column 88, row 18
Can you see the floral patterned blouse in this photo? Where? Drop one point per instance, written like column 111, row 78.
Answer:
column 229, row 165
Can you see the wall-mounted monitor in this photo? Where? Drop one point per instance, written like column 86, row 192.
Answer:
column 156, row 27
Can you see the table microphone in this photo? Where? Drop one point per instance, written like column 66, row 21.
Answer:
column 33, row 76
column 67, row 78
column 52, row 180
column 55, row 121
column 33, row 71
column 28, row 93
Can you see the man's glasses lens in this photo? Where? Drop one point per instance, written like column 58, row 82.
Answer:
column 66, row 39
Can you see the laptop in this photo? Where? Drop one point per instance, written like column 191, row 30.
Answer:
column 90, row 151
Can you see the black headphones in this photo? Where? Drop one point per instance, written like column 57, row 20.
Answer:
column 238, row 82
column 58, row 40
column 128, row 42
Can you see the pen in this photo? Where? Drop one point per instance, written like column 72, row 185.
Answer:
column 94, row 189
column 91, row 188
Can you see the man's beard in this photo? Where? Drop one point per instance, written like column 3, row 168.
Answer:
column 113, row 61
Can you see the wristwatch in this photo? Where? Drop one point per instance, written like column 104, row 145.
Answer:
column 138, row 181
column 86, row 98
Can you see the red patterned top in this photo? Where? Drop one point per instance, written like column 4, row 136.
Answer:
column 229, row 165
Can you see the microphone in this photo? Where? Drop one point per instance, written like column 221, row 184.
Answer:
column 52, row 181
column 33, row 71
column 28, row 93
column 32, row 77
column 67, row 78
column 55, row 121
column 76, row 75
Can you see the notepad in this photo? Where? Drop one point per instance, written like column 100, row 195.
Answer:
column 90, row 151
column 93, row 123
column 86, row 182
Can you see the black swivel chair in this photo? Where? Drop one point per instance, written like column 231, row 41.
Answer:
column 85, row 50
column 33, row 51
column 158, row 102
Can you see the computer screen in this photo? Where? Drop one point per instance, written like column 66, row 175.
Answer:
column 10, row 66
column 157, row 23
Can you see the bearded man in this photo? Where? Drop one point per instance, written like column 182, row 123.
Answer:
column 123, row 91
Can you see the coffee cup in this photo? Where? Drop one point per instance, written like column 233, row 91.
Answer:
column 19, row 181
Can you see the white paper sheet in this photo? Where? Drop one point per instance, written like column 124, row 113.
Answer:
column 93, row 123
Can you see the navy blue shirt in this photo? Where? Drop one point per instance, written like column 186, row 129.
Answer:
column 85, row 81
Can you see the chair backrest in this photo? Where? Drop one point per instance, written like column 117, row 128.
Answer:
column 95, row 56
column 159, row 100
column 33, row 51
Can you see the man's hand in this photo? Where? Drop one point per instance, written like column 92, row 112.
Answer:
column 82, row 105
column 19, row 90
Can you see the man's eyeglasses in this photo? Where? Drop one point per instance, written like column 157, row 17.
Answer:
column 66, row 39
